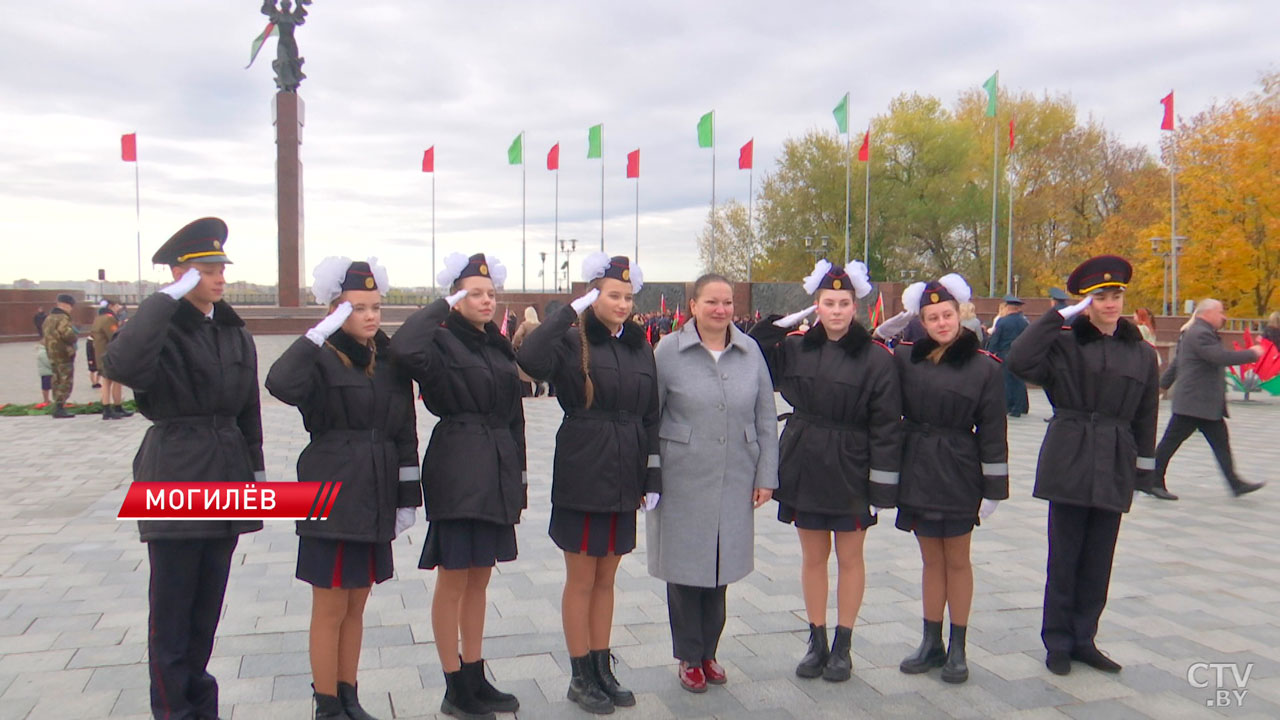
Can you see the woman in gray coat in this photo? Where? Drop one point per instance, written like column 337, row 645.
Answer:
column 719, row 446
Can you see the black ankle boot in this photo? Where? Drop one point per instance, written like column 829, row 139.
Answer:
column 328, row 707
column 585, row 690
column 930, row 654
column 460, row 700
column 956, row 669
column 60, row 412
column 813, row 662
column 351, row 702
column 497, row 700
column 839, row 665
column 108, row 412
column 602, row 665
column 122, row 413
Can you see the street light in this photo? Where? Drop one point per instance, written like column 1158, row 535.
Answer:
column 821, row 250
column 567, row 246
column 1179, row 243
column 543, row 272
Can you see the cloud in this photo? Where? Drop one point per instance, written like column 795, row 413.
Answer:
column 388, row 79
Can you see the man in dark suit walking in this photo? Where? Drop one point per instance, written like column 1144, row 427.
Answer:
column 1008, row 328
column 1200, row 397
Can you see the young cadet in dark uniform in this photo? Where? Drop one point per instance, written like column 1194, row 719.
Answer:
column 954, row 461
column 840, row 450
column 1103, row 382
column 194, row 371
column 606, row 461
column 473, row 474
column 358, row 407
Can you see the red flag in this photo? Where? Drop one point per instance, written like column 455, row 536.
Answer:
column 129, row 147
column 553, row 157
column 633, row 164
column 745, row 155
column 864, row 152
column 1167, row 102
column 1010, row 133
column 664, row 303
column 429, row 159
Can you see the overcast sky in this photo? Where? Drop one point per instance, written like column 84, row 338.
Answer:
column 388, row 79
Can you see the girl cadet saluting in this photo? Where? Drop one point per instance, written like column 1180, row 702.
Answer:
column 473, row 472
column 954, row 461
column 358, row 408
column 839, row 452
column 719, row 448
column 606, row 461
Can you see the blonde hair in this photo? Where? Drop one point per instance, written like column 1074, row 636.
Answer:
column 1273, row 320
column 968, row 311
column 342, row 357
column 588, row 387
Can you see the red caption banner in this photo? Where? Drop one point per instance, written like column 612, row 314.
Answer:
column 229, row 501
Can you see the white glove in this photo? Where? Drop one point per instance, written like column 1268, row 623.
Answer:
column 183, row 285
column 1071, row 311
column 894, row 325
column 329, row 325
column 581, row 303
column 454, row 298
column 987, row 507
column 874, row 510
column 650, row 501
column 794, row 318
column 405, row 518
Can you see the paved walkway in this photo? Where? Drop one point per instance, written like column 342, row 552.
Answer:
column 1197, row 581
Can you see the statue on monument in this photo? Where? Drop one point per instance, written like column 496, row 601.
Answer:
column 288, row 65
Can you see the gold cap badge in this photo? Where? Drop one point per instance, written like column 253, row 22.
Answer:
column 368, row 282
column 484, row 269
column 626, row 274
column 835, row 284
column 1106, row 276
column 933, row 297
column 217, row 245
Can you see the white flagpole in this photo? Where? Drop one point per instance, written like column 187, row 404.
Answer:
column 601, row 187
column 751, row 227
column 866, row 207
column 995, row 186
column 434, row 288
column 555, row 243
column 137, row 210
column 848, row 172
column 713, row 191
column 524, row 277
column 637, row 255
column 1173, row 222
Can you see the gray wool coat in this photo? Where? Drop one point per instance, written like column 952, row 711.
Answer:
column 718, row 441
column 1200, row 370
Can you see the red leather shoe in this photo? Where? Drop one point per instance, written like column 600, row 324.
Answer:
column 692, row 679
column 714, row 672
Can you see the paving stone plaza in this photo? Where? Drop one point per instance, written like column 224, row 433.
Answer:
column 1195, row 582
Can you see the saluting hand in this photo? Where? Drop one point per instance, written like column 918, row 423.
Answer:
column 330, row 324
column 761, row 496
column 581, row 303
column 894, row 325
column 183, row 285
column 1071, row 311
column 794, row 319
column 454, row 298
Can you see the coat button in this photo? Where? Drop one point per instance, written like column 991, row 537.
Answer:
column 724, row 376
column 721, row 441
column 720, row 407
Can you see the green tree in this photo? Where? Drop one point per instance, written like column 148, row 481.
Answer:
column 734, row 244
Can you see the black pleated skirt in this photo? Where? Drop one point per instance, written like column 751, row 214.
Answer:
column 820, row 521
column 929, row 524
column 594, row 534
column 326, row 563
column 462, row 544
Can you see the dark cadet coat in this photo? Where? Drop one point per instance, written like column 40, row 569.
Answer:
column 955, row 451
column 1008, row 329
column 363, row 433
column 475, row 462
column 841, row 449
column 196, row 379
column 1198, row 372
column 607, row 455
column 1104, row 390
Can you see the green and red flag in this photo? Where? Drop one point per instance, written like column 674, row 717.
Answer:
column 595, row 140
column 129, row 147
column 707, row 130
column 515, row 153
column 841, row 112
column 269, row 31
column 864, row 152
column 1167, row 102
column 992, row 85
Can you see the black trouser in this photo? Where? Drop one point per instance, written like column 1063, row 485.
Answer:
column 188, row 580
column 1015, row 394
column 697, row 618
column 1179, row 429
column 1082, row 542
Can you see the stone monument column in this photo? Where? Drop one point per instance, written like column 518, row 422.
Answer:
column 288, row 116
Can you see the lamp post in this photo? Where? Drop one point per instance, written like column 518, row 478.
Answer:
column 543, row 272
column 1169, row 304
column 568, row 247
column 820, row 251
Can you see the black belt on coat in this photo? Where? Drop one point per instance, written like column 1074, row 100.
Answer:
column 1093, row 417
column 822, row 422
column 213, row 421
column 927, row 428
column 617, row 416
column 373, row 434
column 486, row 419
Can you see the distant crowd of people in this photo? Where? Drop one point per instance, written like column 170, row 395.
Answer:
column 56, row 355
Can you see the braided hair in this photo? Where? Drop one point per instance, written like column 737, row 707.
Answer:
column 588, row 387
